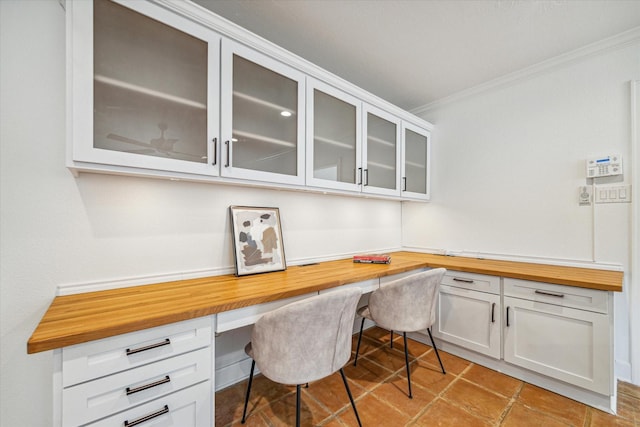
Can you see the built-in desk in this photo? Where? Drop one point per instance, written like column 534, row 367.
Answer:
column 149, row 351
column 74, row 319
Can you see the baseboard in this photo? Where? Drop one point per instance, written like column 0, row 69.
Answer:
column 596, row 400
column 622, row 370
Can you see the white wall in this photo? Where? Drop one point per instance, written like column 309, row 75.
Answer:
column 59, row 230
column 507, row 166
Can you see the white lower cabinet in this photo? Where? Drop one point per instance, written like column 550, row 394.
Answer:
column 560, row 333
column 469, row 312
column 159, row 376
column 569, row 344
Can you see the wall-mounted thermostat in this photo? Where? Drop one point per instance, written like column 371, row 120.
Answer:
column 604, row 166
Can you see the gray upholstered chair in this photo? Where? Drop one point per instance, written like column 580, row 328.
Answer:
column 405, row 305
column 304, row 341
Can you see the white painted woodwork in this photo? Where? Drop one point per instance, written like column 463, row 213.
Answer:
column 149, row 121
column 381, row 151
column 470, row 319
column 233, row 319
column 83, row 362
column 186, row 408
column 564, row 343
column 416, row 162
column 95, row 377
column 104, row 396
column 469, row 312
column 257, row 141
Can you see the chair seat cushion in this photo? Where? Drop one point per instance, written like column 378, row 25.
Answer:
column 249, row 350
column 364, row 312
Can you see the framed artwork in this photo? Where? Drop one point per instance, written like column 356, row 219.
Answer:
column 257, row 240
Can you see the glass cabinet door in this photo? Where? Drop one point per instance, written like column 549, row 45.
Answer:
column 381, row 152
column 415, row 164
column 149, row 94
column 262, row 117
column 333, row 132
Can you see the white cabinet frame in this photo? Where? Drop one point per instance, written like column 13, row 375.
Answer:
column 229, row 49
column 312, row 85
column 366, row 188
column 407, row 163
column 81, row 153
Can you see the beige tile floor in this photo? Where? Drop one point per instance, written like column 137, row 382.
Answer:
column 468, row 395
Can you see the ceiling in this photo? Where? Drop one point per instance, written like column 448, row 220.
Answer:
column 414, row 52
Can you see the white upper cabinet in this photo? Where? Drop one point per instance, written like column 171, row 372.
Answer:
column 262, row 117
column 144, row 91
column 380, row 152
column 333, row 138
column 167, row 89
column 416, row 158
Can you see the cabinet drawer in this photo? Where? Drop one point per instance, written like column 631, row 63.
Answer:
column 365, row 286
column 387, row 279
column 244, row 316
column 566, row 296
column 190, row 407
column 472, row 281
column 99, row 398
column 84, row 362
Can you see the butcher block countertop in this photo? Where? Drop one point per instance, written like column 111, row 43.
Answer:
column 75, row 319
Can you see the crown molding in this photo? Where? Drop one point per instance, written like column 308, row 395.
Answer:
column 603, row 46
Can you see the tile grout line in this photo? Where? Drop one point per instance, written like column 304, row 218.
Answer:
column 509, row 406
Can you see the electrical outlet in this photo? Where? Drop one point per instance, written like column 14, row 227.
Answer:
column 585, row 195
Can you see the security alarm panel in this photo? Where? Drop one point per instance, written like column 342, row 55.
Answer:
column 604, row 166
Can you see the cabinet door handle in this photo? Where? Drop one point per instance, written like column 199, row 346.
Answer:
column 493, row 313
column 165, row 380
column 130, row 351
column 146, row 418
column 508, row 317
column 404, row 183
column 550, row 294
column 457, row 279
column 366, row 176
column 228, row 144
column 359, row 177
column 215, row 151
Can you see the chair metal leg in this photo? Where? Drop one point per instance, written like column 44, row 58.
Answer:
column 391, row 342
column 436, row 349
column 406, row 360
column 355, row 361
column 353, row 404
column 246, row 399
column 298, row 405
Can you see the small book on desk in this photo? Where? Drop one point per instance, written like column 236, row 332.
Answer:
column 373, row 258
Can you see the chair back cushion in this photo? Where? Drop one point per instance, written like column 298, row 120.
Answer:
column 306, row 340
column 407, row 304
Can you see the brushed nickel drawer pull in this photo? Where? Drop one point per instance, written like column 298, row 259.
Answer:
column 146, row 418
column 551, row 294
column 165, row 380
column 457, row 279
column 166, row 341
